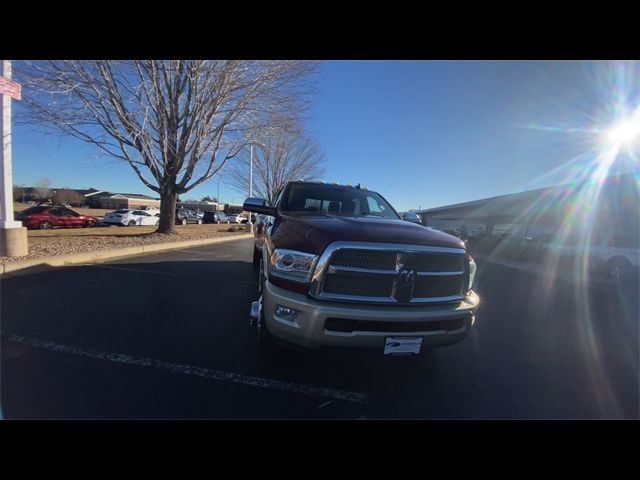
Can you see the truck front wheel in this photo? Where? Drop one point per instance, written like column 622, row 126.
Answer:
column 257, row 257
column 264, row 339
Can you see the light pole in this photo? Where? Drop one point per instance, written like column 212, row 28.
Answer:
column 251, row 173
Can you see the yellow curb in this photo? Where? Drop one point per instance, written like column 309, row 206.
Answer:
column 87, row 257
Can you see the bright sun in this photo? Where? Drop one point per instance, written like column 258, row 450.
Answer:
column 624, row 132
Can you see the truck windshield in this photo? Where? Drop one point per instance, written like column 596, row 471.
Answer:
column 336, row 200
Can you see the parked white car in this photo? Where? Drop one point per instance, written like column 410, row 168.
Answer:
column 151, row 210
column 611, row 257
column 236, row 218
column 131, row 217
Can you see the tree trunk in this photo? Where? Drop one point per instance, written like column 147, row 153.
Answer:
column 167, row 211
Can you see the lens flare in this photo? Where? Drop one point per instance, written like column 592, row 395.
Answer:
column 607, row 144
column 623, row 132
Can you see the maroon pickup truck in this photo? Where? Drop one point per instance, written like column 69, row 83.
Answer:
column 339, row 268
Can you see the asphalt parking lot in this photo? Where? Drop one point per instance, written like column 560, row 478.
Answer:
column 166, row 336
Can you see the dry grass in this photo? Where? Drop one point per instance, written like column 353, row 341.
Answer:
column 74, row 240
column 62, row 241
column 115, row 231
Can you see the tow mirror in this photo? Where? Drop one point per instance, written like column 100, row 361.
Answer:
column 411, row 217
column 258, row 205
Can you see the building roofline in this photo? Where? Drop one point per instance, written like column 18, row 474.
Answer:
column 518, row 195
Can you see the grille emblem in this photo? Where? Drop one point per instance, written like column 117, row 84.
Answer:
column 407, row 276
column 404, row 285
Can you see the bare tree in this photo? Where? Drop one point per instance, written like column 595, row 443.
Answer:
column 176, row 122
column 42, row 189
column 19, row 193
column 67, row 196
column 278, row 158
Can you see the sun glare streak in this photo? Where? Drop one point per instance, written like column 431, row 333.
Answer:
column 624, row 132
column 609, row 141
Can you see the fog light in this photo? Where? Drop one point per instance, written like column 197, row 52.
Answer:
column 286, row 313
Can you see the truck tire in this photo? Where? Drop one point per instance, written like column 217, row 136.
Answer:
column 267, row 345
column 263, row 338
column 257, row 257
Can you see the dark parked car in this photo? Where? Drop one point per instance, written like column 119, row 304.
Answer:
column 215, row 217
column 46, row 217
column 184, row 216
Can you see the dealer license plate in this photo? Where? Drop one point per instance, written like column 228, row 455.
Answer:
column 402, row 345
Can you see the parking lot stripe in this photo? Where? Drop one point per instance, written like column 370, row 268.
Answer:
column 269, row 383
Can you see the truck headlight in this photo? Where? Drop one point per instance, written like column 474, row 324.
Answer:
column 472, row 270
column 292, row 265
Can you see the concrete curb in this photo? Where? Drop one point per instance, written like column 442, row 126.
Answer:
column 98, row 255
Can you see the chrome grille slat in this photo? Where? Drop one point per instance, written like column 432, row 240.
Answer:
column 389, row 273
column 358, row 271
column 436, row 274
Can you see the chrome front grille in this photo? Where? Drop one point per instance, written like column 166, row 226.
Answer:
column 437, row 286
column 359, row 286
column 390, row 273
column 436, row 262
column 370, row 259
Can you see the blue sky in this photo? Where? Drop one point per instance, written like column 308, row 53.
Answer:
column 422, row 133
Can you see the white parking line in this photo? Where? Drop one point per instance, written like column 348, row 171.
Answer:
column 354, row 397
column 209, row 253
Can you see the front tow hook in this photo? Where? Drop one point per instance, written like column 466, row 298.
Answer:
column 254, row 313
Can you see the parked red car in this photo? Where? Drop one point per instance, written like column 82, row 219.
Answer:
column 44, row 217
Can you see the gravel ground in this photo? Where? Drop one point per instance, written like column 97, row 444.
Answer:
column 50, row 247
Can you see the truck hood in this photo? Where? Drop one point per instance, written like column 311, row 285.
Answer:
column 312, row 233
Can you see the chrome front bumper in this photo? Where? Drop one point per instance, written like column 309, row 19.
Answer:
column 309, row 327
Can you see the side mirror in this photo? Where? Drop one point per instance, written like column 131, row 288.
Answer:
column 258, row 205
column 411, row 217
